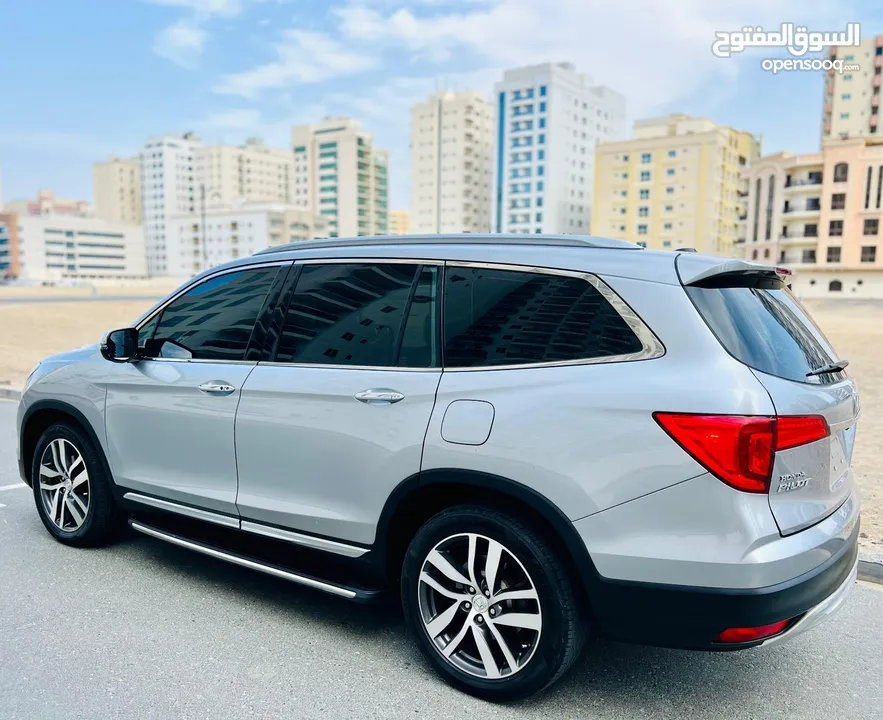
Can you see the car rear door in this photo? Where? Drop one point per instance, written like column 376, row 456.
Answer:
column 763, row 325
column 336, row 419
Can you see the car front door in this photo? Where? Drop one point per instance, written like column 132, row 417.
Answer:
column 329, row 427
column 170, row 416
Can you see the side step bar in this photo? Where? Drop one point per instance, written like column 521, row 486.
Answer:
column 357, row 594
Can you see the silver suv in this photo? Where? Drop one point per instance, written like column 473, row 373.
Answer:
column 531, row 438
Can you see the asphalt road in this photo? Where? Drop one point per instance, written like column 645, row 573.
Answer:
column 146, row 630
column 79, row 298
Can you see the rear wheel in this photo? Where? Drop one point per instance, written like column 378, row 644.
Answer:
column 71, row 488
column 490, row 603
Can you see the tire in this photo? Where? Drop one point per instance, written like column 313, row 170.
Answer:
column 76, row 510
column 546, row 631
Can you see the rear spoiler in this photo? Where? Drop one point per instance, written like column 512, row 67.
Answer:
column 736, row 273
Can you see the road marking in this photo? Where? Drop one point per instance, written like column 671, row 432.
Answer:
column 12, row 487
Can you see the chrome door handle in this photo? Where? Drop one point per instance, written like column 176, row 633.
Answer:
column 217, row 388
column 379, row 396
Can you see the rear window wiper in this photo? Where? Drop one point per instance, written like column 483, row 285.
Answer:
column 829, row 368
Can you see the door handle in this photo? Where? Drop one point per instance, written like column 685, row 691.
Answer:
column 217, row 388
column 379, row 396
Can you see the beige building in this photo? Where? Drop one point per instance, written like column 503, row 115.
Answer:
column 47, row 203
column 820, row 215
column 239, row 230
column 340, row 175
column 451, row 163
column 399, row 222
column 675, row 184
column 251, row 171
column 852, row 98
column 116, row 190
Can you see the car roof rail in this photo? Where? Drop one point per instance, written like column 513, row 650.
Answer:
column 576, row 241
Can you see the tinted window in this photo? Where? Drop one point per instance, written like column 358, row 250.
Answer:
column 502, row 317
column 347, row 314
column 768, row 330
column 214, row 320
column 421, row 333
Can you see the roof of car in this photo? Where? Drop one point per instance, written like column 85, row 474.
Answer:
column 581, row 241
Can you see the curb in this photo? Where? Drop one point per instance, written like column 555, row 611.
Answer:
column 9, row 393
column 870, row 571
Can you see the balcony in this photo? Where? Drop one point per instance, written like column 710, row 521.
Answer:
column 798, row 239
column 798, row 213
column 802, row 184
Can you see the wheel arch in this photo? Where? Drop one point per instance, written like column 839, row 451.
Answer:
column 40, row 416
column 421, row 496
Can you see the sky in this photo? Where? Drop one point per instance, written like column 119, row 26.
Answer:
column 83, row 79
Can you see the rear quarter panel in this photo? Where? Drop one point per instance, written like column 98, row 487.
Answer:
column 584, row 435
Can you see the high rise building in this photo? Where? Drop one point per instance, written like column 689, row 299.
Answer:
column 171, row 184
column 677, row 183
column 820, row 215
column 549, row 119
column 116, row 190
column 451, row 163
column 852, row 98
column 183, row 177
column 340, row 175
column 399, row 222
column 252, row 171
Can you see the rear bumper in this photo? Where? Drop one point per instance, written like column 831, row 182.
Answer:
column 693, row 617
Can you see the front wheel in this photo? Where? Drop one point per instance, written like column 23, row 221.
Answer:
column 71, row 487
column 490, row 603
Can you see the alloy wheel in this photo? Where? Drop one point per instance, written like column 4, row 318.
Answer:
column 64, row 485
column 479, row 606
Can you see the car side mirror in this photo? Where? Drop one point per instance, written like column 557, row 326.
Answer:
column 120, row 345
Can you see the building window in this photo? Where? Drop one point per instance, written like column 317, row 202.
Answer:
column 771, row 191
column 808, row 257
column 846, row 96
column 841, row 170
column 838, row 201
column 844, row 116
column 669, row 208
column 643, row 212
column 670, row 171
column 542, row 107
column 542, row 91
column 642, row 229
column 645, row 175
column 541, row 154
column 835, row 228
column 869, row 253
column 646, row 158
column 754, row 254
column 766, row 253
column 669, row 190
column 540, row 169
column 541, row 139
column 847, row 78
column 835, row 285
column 539, row 217
column 542, row 123
column 871, row 226
column 833, row 255
column 539, row 186
column 645, row 194
column 672, row 153
column 756, row 208
column 667, row 226
column 625, row 158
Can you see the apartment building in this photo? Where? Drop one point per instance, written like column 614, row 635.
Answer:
column 820, row 215
column 171, row 185
column 9, row 250
column 451, row 163
column 236, row 231
column 340, row 175
column 852, row 98
column 116, row 190
column 549, row 119
column 399, row 222
column 252, row 171
column 676, row 183
column 48, row 203
column 71, row 248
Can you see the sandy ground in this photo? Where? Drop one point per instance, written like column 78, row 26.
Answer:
column 30, row 331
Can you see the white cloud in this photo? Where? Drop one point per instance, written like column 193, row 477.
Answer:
column 182, row 43
column 302, row 57
column 653, row 52
column 204, row 8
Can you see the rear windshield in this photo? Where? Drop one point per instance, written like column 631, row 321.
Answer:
column 768, row 330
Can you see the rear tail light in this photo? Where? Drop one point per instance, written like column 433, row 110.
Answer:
column 748, row 634
column 740, row 449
